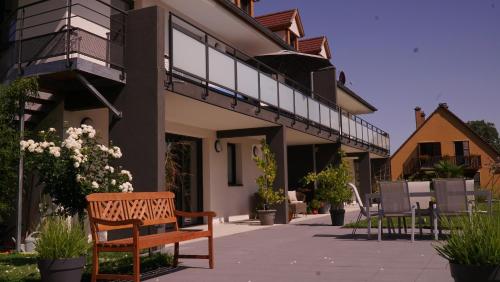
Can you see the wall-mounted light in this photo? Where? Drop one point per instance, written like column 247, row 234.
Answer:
column 256, row 151
column 218, row 146
column 87, row 121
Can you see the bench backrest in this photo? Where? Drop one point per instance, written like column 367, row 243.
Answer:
column 151, row 207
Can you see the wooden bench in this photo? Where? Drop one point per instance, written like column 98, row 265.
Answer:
column 112, row 211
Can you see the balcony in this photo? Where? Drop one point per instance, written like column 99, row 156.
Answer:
column 198, row 57
column 472, row 162
column 48, row 31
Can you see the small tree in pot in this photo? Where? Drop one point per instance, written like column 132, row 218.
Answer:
column 473, row 248
column 332, row 186
column 61, row 250
column 269, row 197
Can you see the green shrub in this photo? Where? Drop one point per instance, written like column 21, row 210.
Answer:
column 267, row 164
column 59, row 239
column 475, row 242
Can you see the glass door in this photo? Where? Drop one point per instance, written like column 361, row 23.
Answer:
column 183, row 172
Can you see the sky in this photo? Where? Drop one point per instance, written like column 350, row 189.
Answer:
column 399, row 54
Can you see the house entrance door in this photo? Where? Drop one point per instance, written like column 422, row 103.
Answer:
column 183, row 172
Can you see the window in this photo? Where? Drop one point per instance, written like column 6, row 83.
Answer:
column 462, row 152
column 233, row 165
column 431, row 149
column 245, row 5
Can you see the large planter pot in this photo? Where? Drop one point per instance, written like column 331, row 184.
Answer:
column 266, row 217
column 56, row 270
column 324, row 209
column 473, row 273
column 337, row 217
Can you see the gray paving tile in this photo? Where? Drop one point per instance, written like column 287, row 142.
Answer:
column 312, row 251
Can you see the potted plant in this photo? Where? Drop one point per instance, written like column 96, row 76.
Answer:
column 332, row 186
column 269, row 197
column 473, row 248
column 315, row 205
column 61, row 250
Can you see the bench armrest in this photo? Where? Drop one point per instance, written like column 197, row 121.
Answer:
column 195, row 214
column 133, row 221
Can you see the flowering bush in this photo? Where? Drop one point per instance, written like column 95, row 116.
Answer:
column 75, row 167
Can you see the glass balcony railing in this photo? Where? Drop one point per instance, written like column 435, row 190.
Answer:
column 199, row 57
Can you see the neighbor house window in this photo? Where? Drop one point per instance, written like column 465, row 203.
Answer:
column 245, row 6
column 233, row 165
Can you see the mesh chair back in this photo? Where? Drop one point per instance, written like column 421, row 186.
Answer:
column 450, row 195
column 469, row 187
column 394, row 197
column 420, row 186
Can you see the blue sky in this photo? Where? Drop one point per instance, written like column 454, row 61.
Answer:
column 399, row 54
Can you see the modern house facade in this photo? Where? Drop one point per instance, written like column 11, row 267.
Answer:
column 443, row 136
column 192, row 78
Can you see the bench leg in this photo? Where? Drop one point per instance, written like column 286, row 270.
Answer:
column 95, row 264
column 137, row 265
column 176, row 254
column 211, row 251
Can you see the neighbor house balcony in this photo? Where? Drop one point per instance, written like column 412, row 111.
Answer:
column 414, row 165
column 197, row 57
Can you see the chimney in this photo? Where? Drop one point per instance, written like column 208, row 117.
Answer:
column 419, row 117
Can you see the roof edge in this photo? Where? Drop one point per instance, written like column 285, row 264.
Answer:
column 250, row 20
column 357, row 97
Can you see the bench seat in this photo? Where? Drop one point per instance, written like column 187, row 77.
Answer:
column 115, row 211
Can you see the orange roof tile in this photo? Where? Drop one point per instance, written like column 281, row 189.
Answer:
column 314, row 45
column 278, row 19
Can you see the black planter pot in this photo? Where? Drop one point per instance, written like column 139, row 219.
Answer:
column 266, row 217
column 337, row 217
column 324, row 209
column 56, row 270
column 474, row 273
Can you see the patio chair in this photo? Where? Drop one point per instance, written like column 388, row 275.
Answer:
column 362, row 209
column 297, row 203
column 395, row 202
column 423, row 204
column 451, row 200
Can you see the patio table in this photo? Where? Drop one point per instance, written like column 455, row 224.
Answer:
column 372, row 196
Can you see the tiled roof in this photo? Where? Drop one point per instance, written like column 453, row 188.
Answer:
column 311, row 45
column 278, row 19
column 314, row 45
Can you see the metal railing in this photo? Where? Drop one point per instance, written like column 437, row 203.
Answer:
column 48, row 29
column 429, row 162
column 201, row 58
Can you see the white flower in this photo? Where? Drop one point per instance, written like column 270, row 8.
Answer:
column 95, row 185
column 39, row 150
column 126, row 187
column 110, row 168
column 76, row 164
column 55, row 151
column 52, row 129
column 127, row 173
column 24, row 145
column 103, row 148
column 32, row 147
column 113, row 182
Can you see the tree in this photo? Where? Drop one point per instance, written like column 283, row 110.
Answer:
column 10, row 97
column 487, row 131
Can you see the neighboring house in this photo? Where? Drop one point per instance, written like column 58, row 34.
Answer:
column 443, row 136
column 184, row 76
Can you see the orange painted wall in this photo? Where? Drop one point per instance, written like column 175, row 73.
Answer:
column 443, row 127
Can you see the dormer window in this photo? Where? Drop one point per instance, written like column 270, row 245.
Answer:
column 286, row 24
column 246, row 6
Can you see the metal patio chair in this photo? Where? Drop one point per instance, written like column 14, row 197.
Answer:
column 395, row 202
column 423, row 204
column 362, row 209
column 451, row 200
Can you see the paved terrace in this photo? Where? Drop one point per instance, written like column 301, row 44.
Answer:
column 311, row 250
